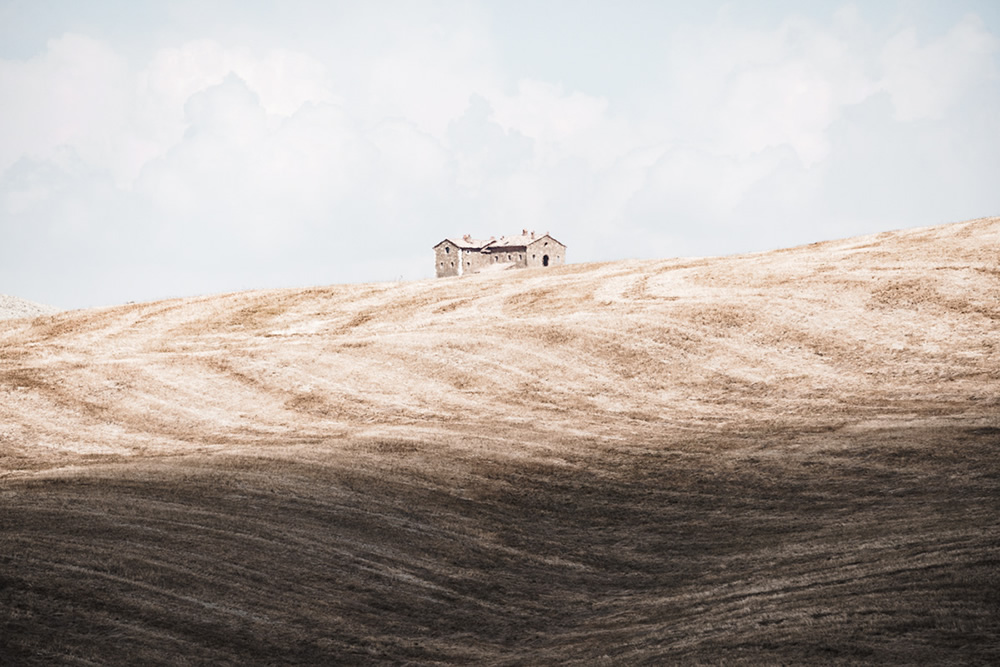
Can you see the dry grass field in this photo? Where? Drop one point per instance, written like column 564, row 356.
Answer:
column 789, row 457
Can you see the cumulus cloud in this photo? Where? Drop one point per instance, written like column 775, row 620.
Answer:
column 781, row 134
column 484, row 150
column 425, row 70
column 74, row 94
column 225, row 164
column 926, row 80
column 759, row 89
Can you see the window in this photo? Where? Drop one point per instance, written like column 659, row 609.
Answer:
column 508, row 257
column 447, row 250
column 545, row 260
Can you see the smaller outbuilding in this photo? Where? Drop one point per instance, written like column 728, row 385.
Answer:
column 456, row 257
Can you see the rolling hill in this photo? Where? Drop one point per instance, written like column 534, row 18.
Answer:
column 790, row 456
column 13, row 308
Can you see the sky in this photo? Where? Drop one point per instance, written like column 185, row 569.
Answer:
column 160, row 149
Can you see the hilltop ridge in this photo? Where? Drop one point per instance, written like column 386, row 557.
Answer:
column 12, row 308
column 876, row 326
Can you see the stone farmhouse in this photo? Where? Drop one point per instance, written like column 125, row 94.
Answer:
column 456, row 257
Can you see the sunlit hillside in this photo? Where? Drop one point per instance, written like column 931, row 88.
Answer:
column 12, row 308
column 789, row 457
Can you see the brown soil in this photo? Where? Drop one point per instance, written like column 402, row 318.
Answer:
column 788, row 457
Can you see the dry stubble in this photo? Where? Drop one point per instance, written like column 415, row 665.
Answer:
column 784, row 457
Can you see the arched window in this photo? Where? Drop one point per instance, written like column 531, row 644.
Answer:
column 447, row 250
column 545, row 260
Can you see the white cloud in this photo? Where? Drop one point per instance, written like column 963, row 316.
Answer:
column 742, row 91
column 74, row 94
column 483, row 150
column 425, row 72
column 928, row 80
column 547, row 113
column 242, row 181
column 283, row 79
column 411, row 157
column 225, row 156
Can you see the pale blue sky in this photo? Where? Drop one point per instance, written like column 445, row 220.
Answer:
column 163, row 149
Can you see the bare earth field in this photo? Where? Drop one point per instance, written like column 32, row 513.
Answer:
column 790, row 457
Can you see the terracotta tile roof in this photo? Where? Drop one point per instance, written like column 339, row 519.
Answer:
column 516, row 241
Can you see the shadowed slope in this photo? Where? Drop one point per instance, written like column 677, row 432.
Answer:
column 783, row 456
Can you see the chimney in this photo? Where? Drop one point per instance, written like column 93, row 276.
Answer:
column 524, row 232
column 532, row 233
column 468, row 238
